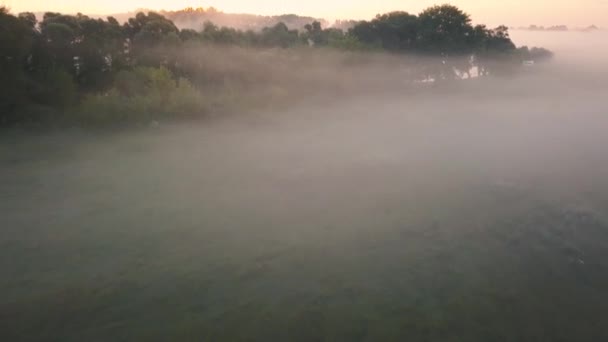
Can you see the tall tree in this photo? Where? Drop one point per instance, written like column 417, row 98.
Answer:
column 16, row 39
column 279, row 36
column 445, row 30
column 397, row 30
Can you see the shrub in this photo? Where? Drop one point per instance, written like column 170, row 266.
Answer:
column 54, row 88
column 142, row 95
column 185, row 100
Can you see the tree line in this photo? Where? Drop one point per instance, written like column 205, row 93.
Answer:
column 52, row 64
column 193, row 17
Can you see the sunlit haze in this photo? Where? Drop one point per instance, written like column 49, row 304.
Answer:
column 509, row 12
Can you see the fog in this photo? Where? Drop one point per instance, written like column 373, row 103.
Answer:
column 472, row 211
column 576, row 48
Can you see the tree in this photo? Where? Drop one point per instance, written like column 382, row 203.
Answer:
column 397, row 31
column 189, row 35
column 494, row 50
column 540, row 54
column 279, row 36
column 147, row 34
column 46, row 66
column 16, row 37
column 150, row 28
column 314, row 33
column 445, row 31
column 60, row 35
column 100, row 49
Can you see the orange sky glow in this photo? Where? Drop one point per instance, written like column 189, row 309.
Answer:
column 508, row 12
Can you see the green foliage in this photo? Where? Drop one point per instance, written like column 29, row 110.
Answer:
column 346, row 42
column 16, row 37
column 112, row 107
column 185, row 100
column 279, row 36
column 438, row 31
column 535, row 54
column 445, row 30
column 395, row 31
column 189, row 34
column 148, row 30
column 142, row 95
column 314, row 33
column 48, row 65
column 59, row 89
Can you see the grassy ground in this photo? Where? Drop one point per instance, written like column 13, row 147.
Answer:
column 356, row 229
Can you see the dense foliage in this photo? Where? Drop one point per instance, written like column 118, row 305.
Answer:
column 113, row 71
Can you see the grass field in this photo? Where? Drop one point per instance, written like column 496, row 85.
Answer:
column 384, row 219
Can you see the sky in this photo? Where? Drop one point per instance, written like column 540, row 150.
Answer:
column 491, row 12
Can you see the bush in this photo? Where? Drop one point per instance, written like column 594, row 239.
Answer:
column 347, row 42
column 114, row 108
column 54, row 88
column 142, row 95
column 143, row 80
column 185, row 100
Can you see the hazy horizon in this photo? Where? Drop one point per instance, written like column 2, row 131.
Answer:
column 538, row 12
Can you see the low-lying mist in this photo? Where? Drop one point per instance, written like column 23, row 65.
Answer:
column 353, row 205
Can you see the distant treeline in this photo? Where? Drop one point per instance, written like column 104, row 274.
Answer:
column 114, row 70
column 559, row 28
column 194, row 17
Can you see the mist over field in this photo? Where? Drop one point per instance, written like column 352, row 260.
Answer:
column 578, row 48
column 353, row 205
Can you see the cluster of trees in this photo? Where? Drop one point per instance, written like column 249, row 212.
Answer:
column 193, row 17
column 46, row 64
column 559, row 28
column 446, row 32
column 64, row 59
column 550, row 28
column 50, row 65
